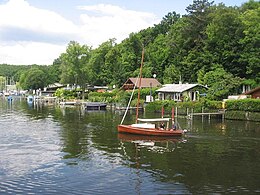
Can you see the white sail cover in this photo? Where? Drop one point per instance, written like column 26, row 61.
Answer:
column 154, row 120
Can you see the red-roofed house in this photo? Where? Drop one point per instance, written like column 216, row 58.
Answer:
column 254, row 93
column 145, row 83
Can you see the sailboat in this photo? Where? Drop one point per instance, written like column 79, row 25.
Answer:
column 152, row 126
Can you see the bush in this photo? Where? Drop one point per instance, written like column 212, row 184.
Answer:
column 211, row 104
column 157, row 106
column 102, row 97
column 134, row 103
column 252, row 105
column 123, row 97
column 183, row 106
column 66, row 94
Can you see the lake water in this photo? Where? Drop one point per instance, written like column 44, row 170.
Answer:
column 52, row 150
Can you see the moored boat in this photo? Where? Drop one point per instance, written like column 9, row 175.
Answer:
column 151, row 127
column 135, row 138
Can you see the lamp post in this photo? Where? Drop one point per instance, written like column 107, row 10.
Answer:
column 150, row 92
column 151, row 85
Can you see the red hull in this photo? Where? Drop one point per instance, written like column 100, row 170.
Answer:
column 148, row 131
column 132, row 137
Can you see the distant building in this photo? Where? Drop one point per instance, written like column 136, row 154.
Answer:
column 254, row 93
column 99, row 89
column 145, row 83
column 50, row 89
column 181, row 92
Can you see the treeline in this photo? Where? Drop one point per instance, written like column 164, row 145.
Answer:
column 213, row 45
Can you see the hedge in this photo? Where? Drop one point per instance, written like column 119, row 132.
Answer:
column 183, row 106
column 252, row 105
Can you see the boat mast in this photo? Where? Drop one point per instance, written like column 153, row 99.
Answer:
column 139, row 86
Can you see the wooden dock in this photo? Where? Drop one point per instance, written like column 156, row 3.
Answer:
column 94, row 106
column 130, row 108
column 209, row 114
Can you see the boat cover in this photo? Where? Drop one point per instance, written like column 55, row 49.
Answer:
column 154, row 120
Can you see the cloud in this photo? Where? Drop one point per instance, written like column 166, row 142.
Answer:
column 30, row 35
column 19, row 14
column 26, row 53
column 102, row 22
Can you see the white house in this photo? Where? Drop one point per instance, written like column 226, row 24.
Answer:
column 180, row 92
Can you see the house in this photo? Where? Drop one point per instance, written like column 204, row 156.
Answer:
column 145, row 83
column 99, row 89
column 180, row 92
column 254, row 93
column 50, row 89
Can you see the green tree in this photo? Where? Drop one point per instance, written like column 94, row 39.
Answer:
column 171, row 75
column 224, row 34
column 221, row 84
column 168, row 20
column 251, row 42
column 157, row 55
column 54, row 71
column 74, row 65
column 115, row 67
column 33, row 79
column 2, row 83
column 97, row 63
column 186, row 39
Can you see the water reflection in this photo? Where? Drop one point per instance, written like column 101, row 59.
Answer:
column 152, row 143
column 53, row 150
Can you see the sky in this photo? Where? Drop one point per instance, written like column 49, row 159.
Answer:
column 38, row 31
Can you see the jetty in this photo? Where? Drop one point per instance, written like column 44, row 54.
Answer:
column 129, row 108
column 209, row 114
column 70, row 103
column 94, row 105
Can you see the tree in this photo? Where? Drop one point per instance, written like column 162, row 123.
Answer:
column 224, row 34
column 97, row 63
column 221, row 84
column 157, row 55
column 33, row 79
column 74, row 65
column 54, row 71
column 186, row 40
column 171, row 75
column 251, row 41
column 2, row 83
column 168, row 20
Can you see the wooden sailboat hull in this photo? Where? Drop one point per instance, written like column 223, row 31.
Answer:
column 133, row 137
column 148, row 131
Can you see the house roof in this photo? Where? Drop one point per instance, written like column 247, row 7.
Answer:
column 145, row 82
column 55, row 85
column 178, row 87
column 252, row 91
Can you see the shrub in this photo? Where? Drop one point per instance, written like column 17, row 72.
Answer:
column 102, row 97
column 252, row 105
column 211, row 104
column 156, row 106
column 66, row 94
